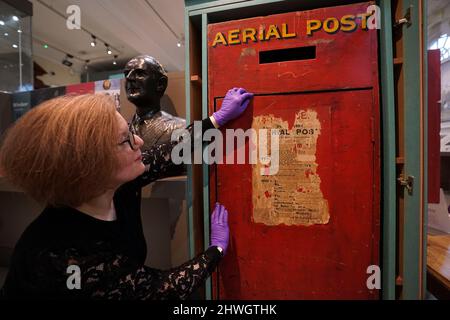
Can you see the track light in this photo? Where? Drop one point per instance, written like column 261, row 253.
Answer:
column 180, row 41
column 115, row 57
column 15, row 46
column 86, row 64
column 2, row 23
column 15, row 18
column 66, row 61
column 94, row 41
column 108, row 49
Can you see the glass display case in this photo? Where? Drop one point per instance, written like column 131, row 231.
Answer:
column 16, row 62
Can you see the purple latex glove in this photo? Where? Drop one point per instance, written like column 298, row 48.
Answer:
column 220, row 232
column 235, row 102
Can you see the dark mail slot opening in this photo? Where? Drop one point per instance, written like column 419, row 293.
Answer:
column 291, row 54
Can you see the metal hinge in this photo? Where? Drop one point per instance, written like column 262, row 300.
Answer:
column 405, row 20
column 407, row 183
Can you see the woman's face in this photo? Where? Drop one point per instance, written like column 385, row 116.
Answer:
column 130, row 161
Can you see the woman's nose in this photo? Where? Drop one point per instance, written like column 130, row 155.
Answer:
column 139, row 141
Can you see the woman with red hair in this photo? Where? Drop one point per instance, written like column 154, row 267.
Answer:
column 77, row 156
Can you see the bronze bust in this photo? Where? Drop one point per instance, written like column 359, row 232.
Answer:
column 145, row 84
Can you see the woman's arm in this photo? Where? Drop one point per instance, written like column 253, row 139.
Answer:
column 178, row 283
column 146, row 283
column 158, row 159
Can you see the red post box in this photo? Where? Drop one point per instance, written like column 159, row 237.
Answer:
column 312, row 229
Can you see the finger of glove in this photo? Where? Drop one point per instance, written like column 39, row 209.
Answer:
column 246, row 95
column 220, row 215
column 225, row 217
column 220, row 219
column 244, row 104
column 215, row 214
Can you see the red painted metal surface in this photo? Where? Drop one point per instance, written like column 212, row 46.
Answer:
column 434, row 125
column 341, row 84
column 81, row 88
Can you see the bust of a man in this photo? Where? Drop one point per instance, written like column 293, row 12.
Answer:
column 146, row 82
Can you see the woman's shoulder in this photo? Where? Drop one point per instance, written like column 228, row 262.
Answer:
column 54, row 228
column 57, row 237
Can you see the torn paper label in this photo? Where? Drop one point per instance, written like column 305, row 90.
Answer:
column 293, row 195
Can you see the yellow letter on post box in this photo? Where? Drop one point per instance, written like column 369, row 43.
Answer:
column 233, row 36
column 273, row 32
column 219, row 39
column 364, row 17
column 334, row 28
column 248, row 33
column 284, row 32
column 312, row 25
column 348, row 23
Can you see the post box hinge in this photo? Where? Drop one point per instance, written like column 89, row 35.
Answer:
column 407, row 183
column 405, row 20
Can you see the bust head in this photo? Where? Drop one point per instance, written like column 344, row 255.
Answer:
column 146, row 82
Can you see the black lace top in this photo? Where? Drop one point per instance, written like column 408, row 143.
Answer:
column 109, row 255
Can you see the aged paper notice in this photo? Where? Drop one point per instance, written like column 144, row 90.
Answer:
column 292, row 196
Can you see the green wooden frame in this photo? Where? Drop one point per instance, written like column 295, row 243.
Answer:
column 201, row 10
column 414, row 265
column 388, row 168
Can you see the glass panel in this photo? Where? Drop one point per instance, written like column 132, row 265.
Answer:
column 16, row 66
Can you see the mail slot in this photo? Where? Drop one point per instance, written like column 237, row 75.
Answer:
column 311, row 228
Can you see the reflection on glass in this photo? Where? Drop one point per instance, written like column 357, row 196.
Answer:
column 16, row 66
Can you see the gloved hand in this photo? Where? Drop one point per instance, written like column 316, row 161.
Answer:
column 219, row 227
column 235, row 102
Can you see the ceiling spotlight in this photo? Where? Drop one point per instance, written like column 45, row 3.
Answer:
column 45, row 46
column 115, row 57
column 6, row 34
column 2, row 23
column 14, row 46
column 94, row 41
column 15, row 18
column 19, row 31
column 180, row 41
column 108, row 49
column 86, row 64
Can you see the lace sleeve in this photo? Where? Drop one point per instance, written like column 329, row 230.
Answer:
column 159, row 163
column 147, row 283
column 107, row 276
